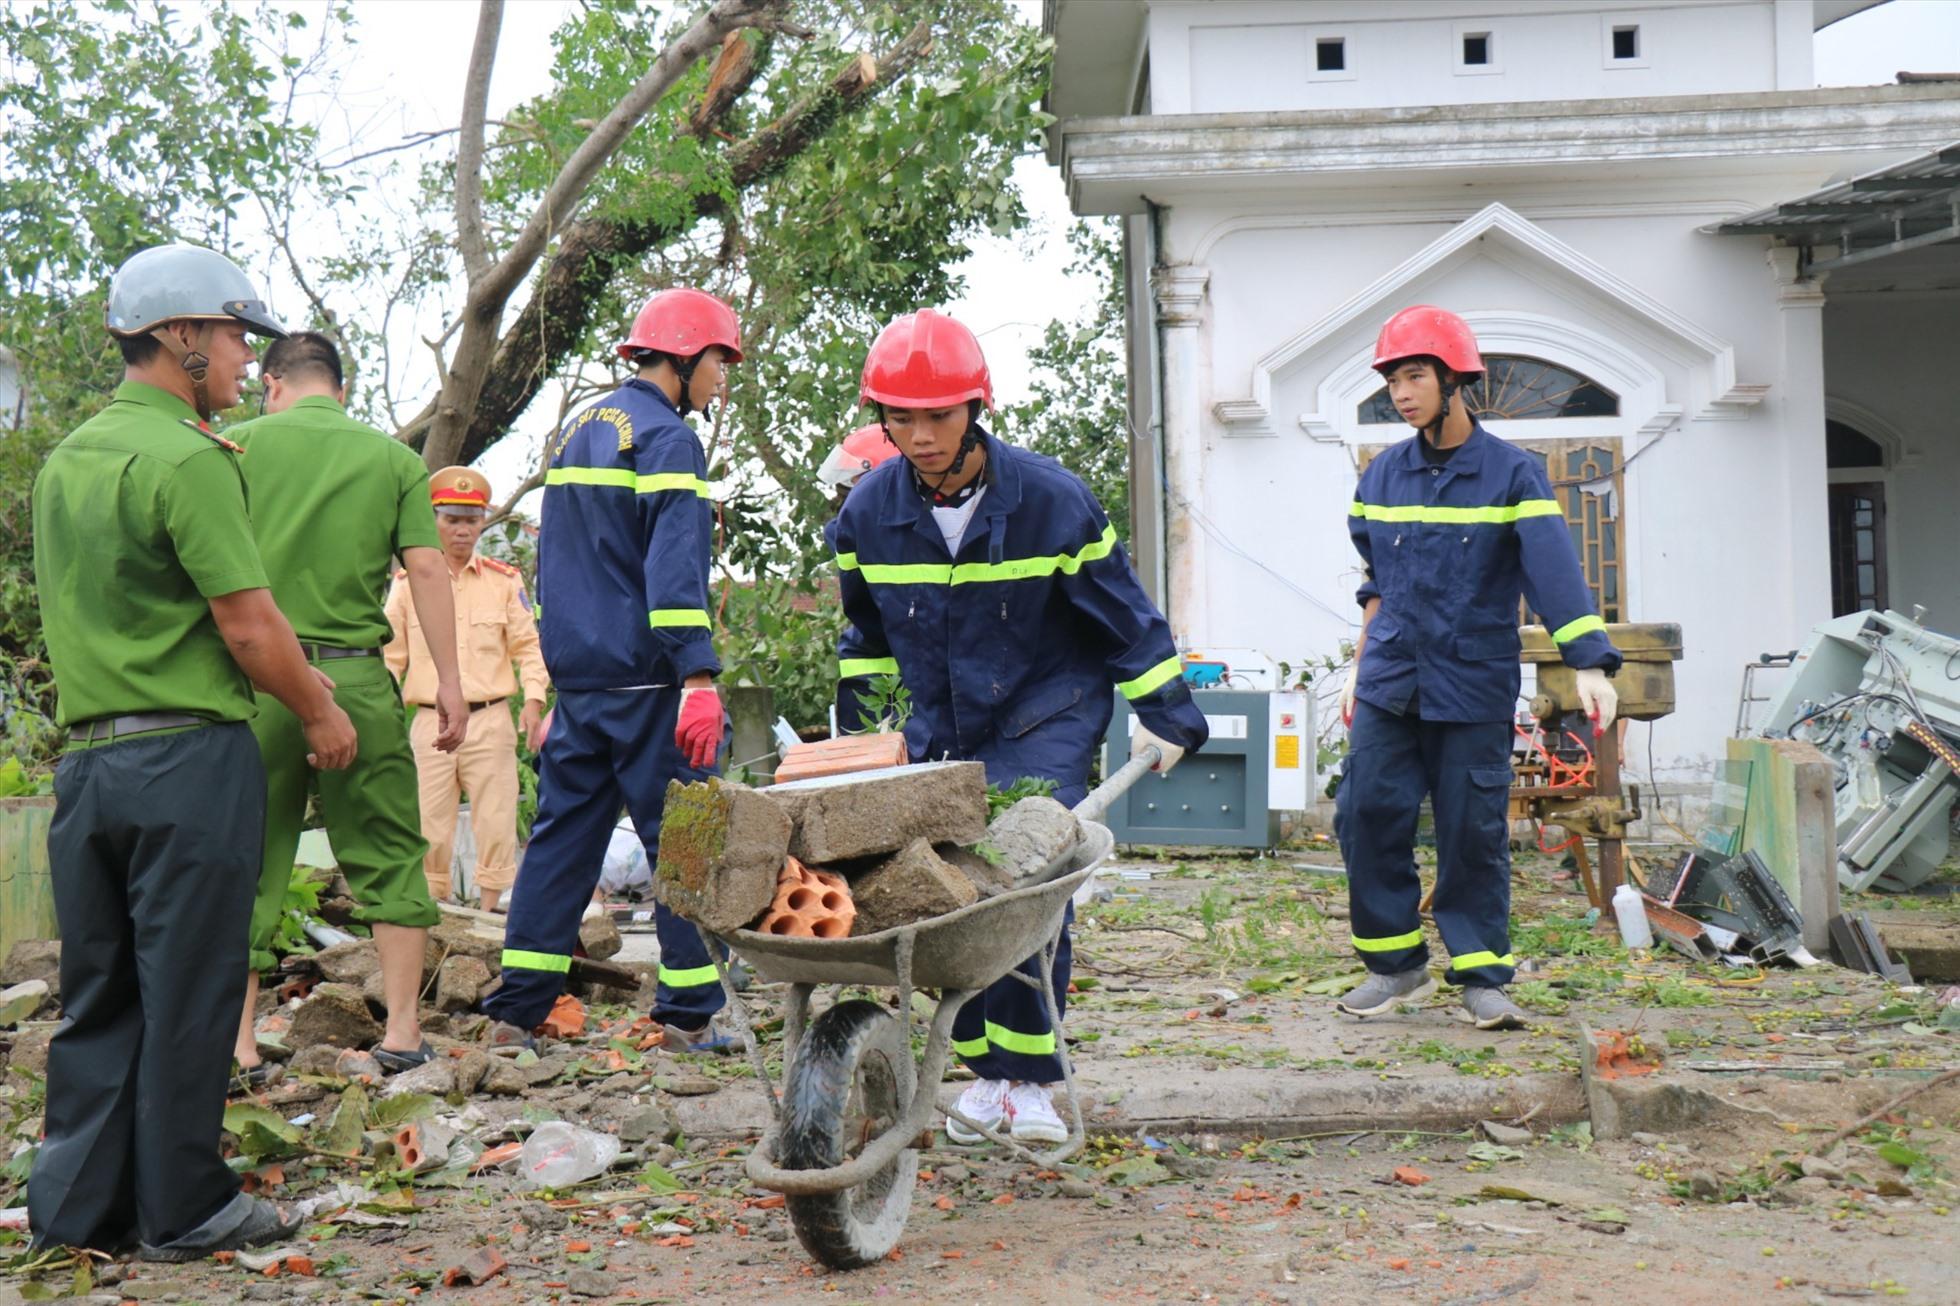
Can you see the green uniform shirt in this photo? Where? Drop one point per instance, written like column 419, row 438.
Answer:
column 332, row 502
column 139, row 518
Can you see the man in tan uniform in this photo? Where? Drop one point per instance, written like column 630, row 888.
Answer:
column 494, row 629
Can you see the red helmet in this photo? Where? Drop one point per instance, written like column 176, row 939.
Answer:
column 926, row 360
column 859, row 452
column 683, row 323
column 1436, row 332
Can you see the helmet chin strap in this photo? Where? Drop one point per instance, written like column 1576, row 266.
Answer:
column 969, row 441
column 1449, row 389
column 195, row 361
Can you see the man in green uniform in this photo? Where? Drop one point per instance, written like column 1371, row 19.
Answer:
column 156, row 612
column 332, row 502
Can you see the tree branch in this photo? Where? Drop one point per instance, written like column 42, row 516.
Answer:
column 562, row 197
column 591, row 252
column 469, row 147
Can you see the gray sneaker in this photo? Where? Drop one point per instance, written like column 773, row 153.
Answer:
column 1380, row 993
column 712, row 1039
column 1489, row 1008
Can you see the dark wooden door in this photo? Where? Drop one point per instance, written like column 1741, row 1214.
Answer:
column 1857, row 547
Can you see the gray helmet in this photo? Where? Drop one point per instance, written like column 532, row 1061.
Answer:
column 173, row 283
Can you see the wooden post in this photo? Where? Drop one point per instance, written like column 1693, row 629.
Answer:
column 1606, row 784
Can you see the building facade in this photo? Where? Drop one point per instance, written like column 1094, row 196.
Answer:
column 1749, row 429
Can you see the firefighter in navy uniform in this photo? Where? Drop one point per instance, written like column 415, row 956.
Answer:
column 1454, row 527
column 989, row 580
column 624, row 546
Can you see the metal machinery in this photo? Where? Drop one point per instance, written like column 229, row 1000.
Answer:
column 1567, row 778
column 1879, row 694
column 1259, row 763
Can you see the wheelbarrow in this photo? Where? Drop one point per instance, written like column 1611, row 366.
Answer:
column 843, row 1146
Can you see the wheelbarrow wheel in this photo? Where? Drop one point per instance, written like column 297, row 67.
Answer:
column 844, row 1091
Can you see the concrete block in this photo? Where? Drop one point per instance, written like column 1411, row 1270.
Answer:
column 1030, row 836
column 841, row 818
column 599, row 936
column 459, row 935
column 913, row 885
column 987, row 878
column 336, row 1014
column 458, row 981
column 34, row 959
column 348, row 963
column 722, row 845
column 20, row 1001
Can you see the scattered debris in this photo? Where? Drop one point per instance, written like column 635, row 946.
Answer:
column 478, row 1268
column 335, row 1014
column 809, row 904
column 1858, row 945
column 913, row 884
column 1032, row 838
column 20, row 1001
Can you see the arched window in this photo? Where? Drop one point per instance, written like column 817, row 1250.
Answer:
column 1516, row 388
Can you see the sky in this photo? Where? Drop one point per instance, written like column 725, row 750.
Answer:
column 408, row 77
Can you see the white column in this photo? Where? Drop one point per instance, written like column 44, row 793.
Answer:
column 1180, row 302
column 1799, row 417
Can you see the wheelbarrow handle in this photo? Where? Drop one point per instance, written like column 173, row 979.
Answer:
column 1100, row 799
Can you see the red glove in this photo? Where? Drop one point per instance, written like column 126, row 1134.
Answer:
column 698, row 732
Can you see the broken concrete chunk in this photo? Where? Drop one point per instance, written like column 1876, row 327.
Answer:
column 651, row 1121
column 34, row 959
column 458, row 935
column 30, row 1050
column 1031, row 836
column 336, row 1014
column 599, row 936
column 458, row 981
column 503, row 1079
column 348, row 963
column 437, row 1078
column 358, row 1065
column 722, row 846
column 20, row 1001
column 470, row 1069
column 320, row 1059
column 915, row 885
column 877, row 813
column 987, row 878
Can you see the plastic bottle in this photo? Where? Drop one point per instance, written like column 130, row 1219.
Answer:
column 557, row 1154
column 1631, row 913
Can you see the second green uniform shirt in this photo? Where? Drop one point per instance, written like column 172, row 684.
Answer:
column 326, row 524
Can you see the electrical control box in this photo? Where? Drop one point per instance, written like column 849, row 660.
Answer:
column 1258, row 764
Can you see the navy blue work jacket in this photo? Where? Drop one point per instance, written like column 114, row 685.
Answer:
column 1449, row 550
column 1009, row 650
column 624, row 544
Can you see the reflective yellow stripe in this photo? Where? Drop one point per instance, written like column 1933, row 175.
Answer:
column 623, row 477
column 1028, row 1045
column 1409, row 940
column 1155, row 678
column 848, row 667
column 677, row 617
column 672, row 481
column 693, row 977
column 975, row 573
column 970, row 1047
column 519, row 959
column 907, row 573
column 1472, row 960
column 1571, row 630
column 1422, row 512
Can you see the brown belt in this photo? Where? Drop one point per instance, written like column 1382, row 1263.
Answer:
column 327, row 652
column 475, row 707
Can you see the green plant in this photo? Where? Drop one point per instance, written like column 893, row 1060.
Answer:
column 999, row 799
column 16, row 781
column 303, row 890
column 890, row 705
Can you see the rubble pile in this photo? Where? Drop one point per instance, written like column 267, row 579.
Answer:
column 906, row 843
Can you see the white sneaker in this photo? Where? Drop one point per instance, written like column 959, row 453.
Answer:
column 1031, row 1115
column 986, row 1102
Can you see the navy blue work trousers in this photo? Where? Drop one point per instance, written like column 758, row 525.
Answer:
column 1464, row 768
column 607, row 748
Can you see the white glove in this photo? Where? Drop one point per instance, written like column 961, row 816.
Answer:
column 1347, row 692
column 1598, row 697
column 1143, row 739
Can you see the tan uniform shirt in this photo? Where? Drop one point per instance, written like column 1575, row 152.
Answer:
column 494, row 628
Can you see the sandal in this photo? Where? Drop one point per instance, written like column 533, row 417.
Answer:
column 250, row 1079
column 395, row 1062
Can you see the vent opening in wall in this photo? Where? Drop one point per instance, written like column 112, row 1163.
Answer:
column 1476, row 48
column 1626, row 42
column 1330, row 54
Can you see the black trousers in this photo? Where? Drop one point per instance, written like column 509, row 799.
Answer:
column 155, row 850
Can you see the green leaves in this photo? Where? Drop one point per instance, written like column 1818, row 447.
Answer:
column 262, row 1135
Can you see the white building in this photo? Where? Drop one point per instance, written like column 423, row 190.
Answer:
column 1751, row 428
